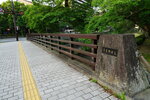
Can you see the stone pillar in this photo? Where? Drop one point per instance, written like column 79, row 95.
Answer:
column 117, row 64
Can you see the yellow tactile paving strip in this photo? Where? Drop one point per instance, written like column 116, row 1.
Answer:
column 29, row 86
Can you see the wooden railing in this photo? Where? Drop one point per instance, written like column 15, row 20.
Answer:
column 70, row 45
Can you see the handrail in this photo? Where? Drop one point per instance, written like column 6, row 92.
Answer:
column 69, row 46
column 86, row 36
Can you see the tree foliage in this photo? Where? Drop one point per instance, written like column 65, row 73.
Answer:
column 48, row 18
column 120, row 15
column 85, row 16
column 6, row 19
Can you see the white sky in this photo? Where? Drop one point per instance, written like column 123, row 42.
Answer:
column 6, row 0
column 2, row 1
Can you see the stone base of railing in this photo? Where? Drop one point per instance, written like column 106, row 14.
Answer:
column 118, row 64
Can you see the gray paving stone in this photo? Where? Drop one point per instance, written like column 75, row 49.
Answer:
column 70, row 97
column 8, row 89
column 62, row 95
column 14, row 98
column 21, row 99
column 97, row 98
column 55, row 79
column 62, row 99
column 21, row 96
column 7, row 96
column 104, row 95
column 79, row 98
column 113, row 98
column 96, row 92
column 53, row 98
column 87, row 90
column 65, row 85
column 64, row 90
column 106, row 99
column 51, row 86
column 13, row 91
column 4, row 93
column 77, row 94
column 80, row 88
column 87, row 96
column 57, row 88
column 55, row 93
column 71, row 91
column 18, row 93
column 44, row 97
column 10, row 72
column 48, row 91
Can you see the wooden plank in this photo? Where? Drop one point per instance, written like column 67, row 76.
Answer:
column 73, row 49
column 86, row 61
column 71, row 46
column 86, row 36
column 75, row 43
column 74, row 56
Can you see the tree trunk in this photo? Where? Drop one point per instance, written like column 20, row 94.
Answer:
column 66, row 3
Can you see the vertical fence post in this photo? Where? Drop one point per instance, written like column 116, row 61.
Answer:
column 71, row 45
column 40, row 40
column 94, row 50
column 46, row 41
column 28, row 36
column 51, row 41
column 59, row 44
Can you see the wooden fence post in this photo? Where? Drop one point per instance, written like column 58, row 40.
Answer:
column 59, row 44
column 72, row 46
column 51, row 41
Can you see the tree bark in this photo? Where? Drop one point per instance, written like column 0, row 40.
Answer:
column 66, row 3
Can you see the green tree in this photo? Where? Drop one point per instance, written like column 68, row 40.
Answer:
column 120, row 15
column 6, row 19
column 48, row 18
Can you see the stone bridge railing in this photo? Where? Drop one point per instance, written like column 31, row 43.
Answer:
column 114, row 59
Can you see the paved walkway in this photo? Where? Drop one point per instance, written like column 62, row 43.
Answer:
column 27, row 71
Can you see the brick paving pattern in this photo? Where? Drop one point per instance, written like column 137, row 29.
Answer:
column 10, row 74
column 55, row 79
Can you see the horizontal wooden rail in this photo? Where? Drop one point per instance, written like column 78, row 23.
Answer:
column 69, row 48
column 72, row 42
column 85, row 36
column 59, row 43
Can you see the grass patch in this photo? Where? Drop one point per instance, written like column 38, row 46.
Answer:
column 147, row 57
column 93, row 80
column 121, row 96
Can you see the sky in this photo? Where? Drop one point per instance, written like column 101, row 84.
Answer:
column 2, row 1
column 6, row 0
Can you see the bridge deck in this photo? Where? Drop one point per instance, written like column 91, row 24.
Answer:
column 27, row 72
